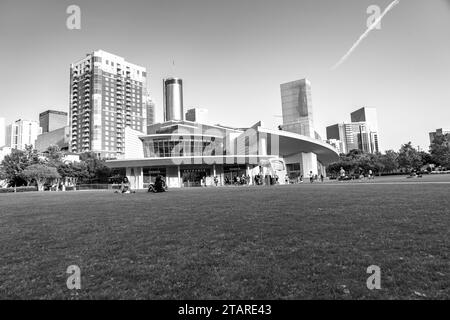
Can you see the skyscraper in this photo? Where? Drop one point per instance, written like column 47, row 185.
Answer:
column 360, row 134
column 197, row 115
column 369, row 117
column 52, row 120
column 107, row 94
column 297, row 107
column 151, row 111
column 22, row 133
column 173, row 99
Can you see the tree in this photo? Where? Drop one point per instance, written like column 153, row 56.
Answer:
column 54, row 156
column 390, row 161
column 2, row 174
column 425, row 157
column 440, row 150
column 40, row 173
column 97, row 170
column 409, row 158
column 31, row 155
column 14, row 164
column 73, row 172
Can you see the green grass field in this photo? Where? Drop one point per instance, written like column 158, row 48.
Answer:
column 285, row 242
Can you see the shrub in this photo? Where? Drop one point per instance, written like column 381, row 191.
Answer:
column 18, row 189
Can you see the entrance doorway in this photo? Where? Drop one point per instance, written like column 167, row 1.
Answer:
column 194, row 177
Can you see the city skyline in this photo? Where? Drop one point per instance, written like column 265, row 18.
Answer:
column 411, row 77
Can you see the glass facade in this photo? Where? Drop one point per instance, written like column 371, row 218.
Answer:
column 166, row 147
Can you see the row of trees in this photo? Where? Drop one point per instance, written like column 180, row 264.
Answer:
column 406, row 159
column 27, row 168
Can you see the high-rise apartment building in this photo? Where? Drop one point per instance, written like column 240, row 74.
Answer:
column 297, row 107
column 438, row 132
column 198, row 115
column 22, row 133
column 107, row 94
column 52, row 120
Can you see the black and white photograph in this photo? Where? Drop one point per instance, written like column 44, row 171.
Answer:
column 225, row 155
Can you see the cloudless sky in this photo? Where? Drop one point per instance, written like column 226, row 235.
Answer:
column 234, row 54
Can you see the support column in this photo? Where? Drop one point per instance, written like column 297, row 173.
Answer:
column 139, row 178
column 179, row 177
column 309, row 163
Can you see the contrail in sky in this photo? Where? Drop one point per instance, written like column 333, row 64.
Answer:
column 365, row 34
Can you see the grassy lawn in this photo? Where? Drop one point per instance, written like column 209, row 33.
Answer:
column 285, row 242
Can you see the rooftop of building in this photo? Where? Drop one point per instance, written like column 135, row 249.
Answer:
column 63, row 113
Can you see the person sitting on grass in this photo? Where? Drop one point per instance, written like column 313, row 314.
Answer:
column 158, row 186
column 342, row 174
column 125, row 187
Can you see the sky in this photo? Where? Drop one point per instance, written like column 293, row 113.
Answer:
column 234, row 54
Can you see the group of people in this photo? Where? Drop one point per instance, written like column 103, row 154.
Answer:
column 237, row 180
column 361, row 175
column 259, row 179
column 315, row 177
column 246, row 180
